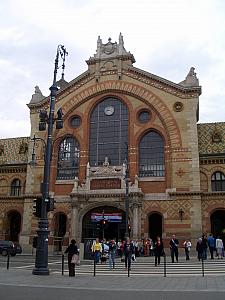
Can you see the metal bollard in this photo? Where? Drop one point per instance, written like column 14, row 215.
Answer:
column 94, row 266
column 8, row 255
column 62, row 264
column 164, row 256
column 203, row 268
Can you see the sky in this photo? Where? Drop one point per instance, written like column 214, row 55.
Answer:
column 166, row 37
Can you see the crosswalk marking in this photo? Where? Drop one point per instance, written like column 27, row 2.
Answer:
column 182, row 268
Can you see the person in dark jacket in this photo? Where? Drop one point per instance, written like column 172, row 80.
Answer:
column 71, row 250
column 204, row 247
column 128, row 250
column 174, row 243
column 212, row 244
column 158, row 250
column 199, row 248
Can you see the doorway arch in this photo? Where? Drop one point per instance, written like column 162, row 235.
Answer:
column 114, row 229
column 13, row 226
column 60, row 225
column 92, row 229
column 155, row 225
column 217, row 219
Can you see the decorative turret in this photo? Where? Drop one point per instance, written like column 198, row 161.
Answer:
column 110, row 58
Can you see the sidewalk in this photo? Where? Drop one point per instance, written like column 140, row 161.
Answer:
column 25, row 278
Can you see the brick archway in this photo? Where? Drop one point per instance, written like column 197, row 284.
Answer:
column 136, row 91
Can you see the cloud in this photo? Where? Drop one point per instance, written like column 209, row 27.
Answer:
column 166, row 38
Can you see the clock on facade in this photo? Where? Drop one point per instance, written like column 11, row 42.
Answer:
column 109, row 110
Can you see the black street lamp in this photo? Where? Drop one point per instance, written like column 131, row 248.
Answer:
column 41, row 261
column 126, row 193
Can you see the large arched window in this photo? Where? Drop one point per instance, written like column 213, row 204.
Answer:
column 151, row 155
column 68, row 159
column 218, row 182
column 108, row 132
column 15, row 188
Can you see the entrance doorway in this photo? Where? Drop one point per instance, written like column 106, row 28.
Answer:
column 13, row 226
column 113, row 229
column 59, row 231
column 155, row 225
column 218, row 224
column 91, row 228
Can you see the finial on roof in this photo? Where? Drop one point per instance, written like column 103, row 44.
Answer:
column 191, row 79
column 37, row 96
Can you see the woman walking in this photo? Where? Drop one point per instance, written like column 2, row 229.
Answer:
column 71, row 250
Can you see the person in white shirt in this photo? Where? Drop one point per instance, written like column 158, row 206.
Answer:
column 219, row 247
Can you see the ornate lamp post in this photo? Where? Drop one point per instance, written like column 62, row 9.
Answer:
column 41, row 261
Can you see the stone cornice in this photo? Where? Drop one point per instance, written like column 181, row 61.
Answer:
column 198, row 193
column 163, row 84
column 13, row 169
column 103, row 194
column 124, row 57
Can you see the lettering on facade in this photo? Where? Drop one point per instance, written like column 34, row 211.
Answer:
column 101, row 184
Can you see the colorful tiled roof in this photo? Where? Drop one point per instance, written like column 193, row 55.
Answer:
column 211, row 138
column 14, row 150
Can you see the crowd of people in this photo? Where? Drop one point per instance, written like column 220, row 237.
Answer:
column 128, row 250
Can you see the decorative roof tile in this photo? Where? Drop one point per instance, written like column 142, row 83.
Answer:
column 14, row 150
column 211, row 138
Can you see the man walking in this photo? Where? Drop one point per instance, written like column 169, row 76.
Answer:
column 174, row 243
column 128, row 251
column 112, row 254
column 212, row 245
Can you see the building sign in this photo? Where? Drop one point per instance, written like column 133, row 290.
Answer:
column 113, row 217
column 104, row 184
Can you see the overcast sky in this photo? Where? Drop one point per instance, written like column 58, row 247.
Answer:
column 166, row 37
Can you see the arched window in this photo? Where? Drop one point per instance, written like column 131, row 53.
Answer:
column 151, row 155
column 218, row 181
column 15, row 188
column 108, row 132
column 68, row 159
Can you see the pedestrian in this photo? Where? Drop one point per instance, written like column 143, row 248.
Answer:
column 204, row 247
column 187, row 248
column 128, row 251
column 199, row 248
column 112, row 254
column 212, row 245
column 158, row 250
column 219, row 247
column 71, row 250
column 174, row 243
column 96, row 250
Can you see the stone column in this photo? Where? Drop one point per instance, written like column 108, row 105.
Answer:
column 74, row 220
column 135, row 221
column 196, row 217
column 26, row 226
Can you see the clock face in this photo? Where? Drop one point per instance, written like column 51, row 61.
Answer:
column 109, row 110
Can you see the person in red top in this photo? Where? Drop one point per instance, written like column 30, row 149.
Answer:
column 158, row 250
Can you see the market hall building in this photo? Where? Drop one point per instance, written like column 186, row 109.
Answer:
column 116, row 115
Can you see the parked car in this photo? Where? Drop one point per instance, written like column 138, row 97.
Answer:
column 9, row 247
